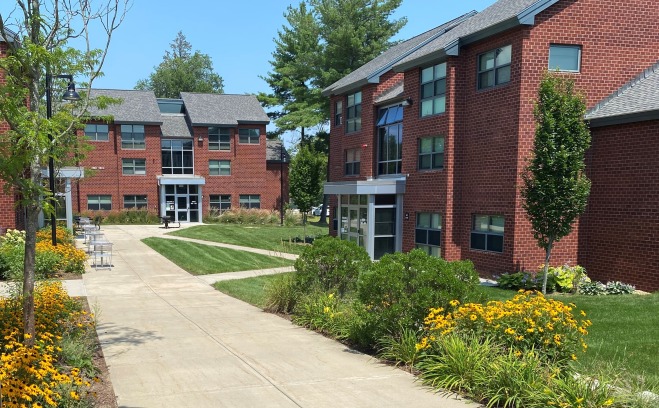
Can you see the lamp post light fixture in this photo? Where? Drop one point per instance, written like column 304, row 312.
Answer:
column 69, row 95
column 281, row 183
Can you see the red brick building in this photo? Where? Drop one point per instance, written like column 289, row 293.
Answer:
column 429, row 139
column 181, row 157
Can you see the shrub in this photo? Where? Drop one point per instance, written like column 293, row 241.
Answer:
column 611, row 288
column 13, row 237
column 280, row 294
column 560, row 278
column 398, row 290
column 132, row 216
column 243, row 216
column 323, row 312
column 330, row 264
column 63, row 235
column 528, row 322
column 40, row 375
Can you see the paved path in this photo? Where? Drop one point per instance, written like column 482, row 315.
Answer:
column 170, row 339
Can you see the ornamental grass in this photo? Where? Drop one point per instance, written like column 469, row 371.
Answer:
column 38, row 376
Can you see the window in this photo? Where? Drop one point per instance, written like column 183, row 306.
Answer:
column 494, row 67
column 354, row 112
column 433, row 90
column 428, row 233
column 135, row 201
column 565, row 58
column 250, row 136
column 177, row 157
column 353, row 157
column 390, row 138
column 487, row 233
column 99, row 202
column 250, row 201
column 220, row 203
column 132, row 137
column 219, row 167
column 98, row 133
column 219, row 138
column 338, row 113
column 431, row 153
column 133, row 167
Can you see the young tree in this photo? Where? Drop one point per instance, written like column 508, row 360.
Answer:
column 307, row 174
column 555, row 189
column 182, row 70
column 36, row 34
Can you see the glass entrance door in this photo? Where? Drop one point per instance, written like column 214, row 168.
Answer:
column 181, row 202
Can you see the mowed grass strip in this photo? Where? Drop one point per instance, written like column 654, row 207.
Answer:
column 199, row 259
column 268, row 237
column 250, row 290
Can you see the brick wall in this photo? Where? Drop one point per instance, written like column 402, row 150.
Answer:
column 619, row 230
column 9, row 215
column 249, row 173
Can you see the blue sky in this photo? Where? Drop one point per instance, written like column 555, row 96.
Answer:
column 236, row 34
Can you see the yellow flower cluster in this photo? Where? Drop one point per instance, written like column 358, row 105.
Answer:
column 72, row 259
column 62, row 235
column 31, row 376
column 528, row 321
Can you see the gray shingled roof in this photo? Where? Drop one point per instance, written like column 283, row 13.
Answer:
column 396, row 91
column 636, row 101
column 274, row 151
column 223, row 109
column 174, row 125
column 371, row 71
column 10, row 34
column 137, row 107
column 500, row 16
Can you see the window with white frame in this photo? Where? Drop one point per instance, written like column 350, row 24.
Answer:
column 353, row 158
column 220, row 202
column 354, row 112
column 428, row 233
column 97, row 202
column 219, row 167
column 487, row 233
column 219, row 138
column 132, row 137
column 566, row 58
column 130, row 167
column 494, row 67
column 338, row 113
column 431, row 153
column 135, row 201
column 390, row 140
column 96, row 132
column 250, row 201
column 433, row 90
column 248, row 136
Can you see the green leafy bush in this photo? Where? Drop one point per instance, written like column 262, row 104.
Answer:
column 611, row 288
column 400, row 348
column 398, row 290
column 244, row 216
column 331, row 264
column 560, row 278
column 131, row 216
column 323, row 312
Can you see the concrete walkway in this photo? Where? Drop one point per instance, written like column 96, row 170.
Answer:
column 171, row 340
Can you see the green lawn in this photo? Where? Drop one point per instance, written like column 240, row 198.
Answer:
column 200, row 259
column 249, row 290
column 270, row 237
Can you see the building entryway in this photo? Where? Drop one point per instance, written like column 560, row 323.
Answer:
column 182, row 202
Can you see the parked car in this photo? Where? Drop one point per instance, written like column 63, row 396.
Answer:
column 318, row 210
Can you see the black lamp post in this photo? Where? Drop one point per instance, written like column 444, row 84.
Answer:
column 69, row 95
column 281, row 183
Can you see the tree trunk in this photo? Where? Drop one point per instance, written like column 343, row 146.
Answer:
column 546, row 267
column 323, row 210
column 32, row 211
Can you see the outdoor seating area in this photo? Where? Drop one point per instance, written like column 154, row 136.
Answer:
column 99, row 247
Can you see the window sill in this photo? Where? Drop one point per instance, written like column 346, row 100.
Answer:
column 485, row 251
column 434, row 115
